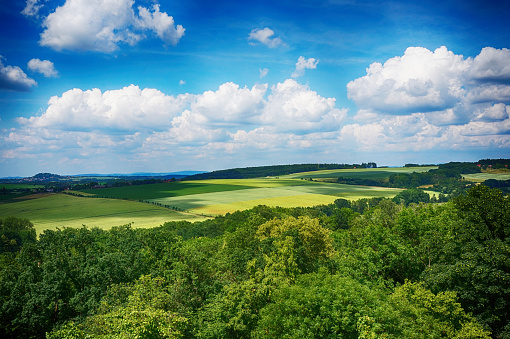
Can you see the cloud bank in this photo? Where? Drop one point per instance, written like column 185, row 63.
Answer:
column 103, row 25
column 422, row 101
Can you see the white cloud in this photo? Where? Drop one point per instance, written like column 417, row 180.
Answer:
column 182, row 82
column 101, row 25
column 454, row 96
column 263, row 72
column 419, row 81
column 161, row 23
column 444, row 105
column 264, row 36
column 45, row 67
column 230, row 104
column 32, row 8
column 151, row 124
column 294, row 107
column 491, row 65
column 13, row 78
column 129, row 108
column 303, row 64
column 496, row 112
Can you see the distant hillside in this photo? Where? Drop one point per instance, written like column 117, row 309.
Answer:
column 276, row 170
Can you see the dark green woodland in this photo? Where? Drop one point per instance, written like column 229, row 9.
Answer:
column 374, row 268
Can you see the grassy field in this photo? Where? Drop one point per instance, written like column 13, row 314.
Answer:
column 481, row 177
column 119, row 206
column 272, row 192
column 20, row 186
column 362, row 173
column 163, row 190
column 59, row 210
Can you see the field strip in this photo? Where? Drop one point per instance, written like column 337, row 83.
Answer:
column 198, row 200
column 64, row 210
column 302, row 200
column 259, row 196
column 481, row 177
column 368, row 173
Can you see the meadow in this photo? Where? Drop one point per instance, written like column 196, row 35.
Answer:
column 359, row 173
column 481, row 177
column 62, row 210
column 154, row 204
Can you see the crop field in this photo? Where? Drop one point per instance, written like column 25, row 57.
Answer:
column 272, row 192
column 361, row 173
column 184, row 200
column 155, row 191
column 59, row 210
column 20, row 186
column 481, row 177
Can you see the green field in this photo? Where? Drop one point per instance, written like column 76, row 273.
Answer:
column 121, row 205
column 163, row 190
column 20, row 186
column 228, row 195
column 362, row 173
column 481, row 177
column 61, row 210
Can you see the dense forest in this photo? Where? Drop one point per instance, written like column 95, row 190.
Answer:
column 276, row 170
column 372, row 268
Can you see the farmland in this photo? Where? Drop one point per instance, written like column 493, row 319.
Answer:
column 152, row 205
column 480, row 177
column 362, row 173
column 59, row 210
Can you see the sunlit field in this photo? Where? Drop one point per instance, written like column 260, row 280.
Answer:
column 273, row 192
column 154, row 204
column 362, row 173
column 481, row 177
column 61, row 210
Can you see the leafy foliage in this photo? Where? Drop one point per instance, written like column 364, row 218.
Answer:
column 364, row 269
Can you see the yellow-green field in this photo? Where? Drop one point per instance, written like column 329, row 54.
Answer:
column 481, row 177
column 361, row 173
column 62, row 210
column 272, row 192
column 197, row 199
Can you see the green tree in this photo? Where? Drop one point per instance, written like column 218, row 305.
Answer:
column 14, row 233
column 143, row 314
column 412, row 195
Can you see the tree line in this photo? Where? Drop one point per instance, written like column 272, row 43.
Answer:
column 271, row 171
column 372, row 268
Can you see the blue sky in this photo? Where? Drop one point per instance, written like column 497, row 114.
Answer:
column 102, row 86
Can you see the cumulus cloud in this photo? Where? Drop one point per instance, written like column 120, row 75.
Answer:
column 13, row 78
column 161, row 23
column 128, row 109
column 460, row 102
column 230, row 104
column 263, row 72
column 294, row 107
column 101, row 25
column 151, row 124
column 426, row 81
column 264, row 36
column 445, row 101
column 302, row 64
column 419, row 81
column 45, row 67
column 491, row 65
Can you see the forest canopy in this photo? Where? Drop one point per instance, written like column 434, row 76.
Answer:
column 364, row 269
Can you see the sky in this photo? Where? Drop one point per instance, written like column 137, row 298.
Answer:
column 124, row 86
